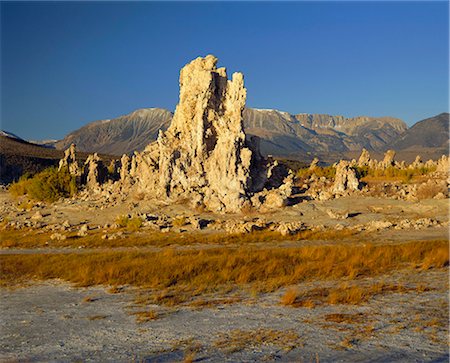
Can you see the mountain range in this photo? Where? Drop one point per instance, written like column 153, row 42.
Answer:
column 282, row 134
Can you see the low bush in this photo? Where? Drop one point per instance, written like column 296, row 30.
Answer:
column 130, row 223
column 49, row 185
column 328, row 172
column 391, row 172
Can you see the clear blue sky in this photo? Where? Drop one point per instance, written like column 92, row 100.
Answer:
column 65, row 64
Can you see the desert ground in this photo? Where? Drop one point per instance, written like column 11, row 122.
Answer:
column 396, row 313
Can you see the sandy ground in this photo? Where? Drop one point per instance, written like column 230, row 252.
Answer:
column 52, row 322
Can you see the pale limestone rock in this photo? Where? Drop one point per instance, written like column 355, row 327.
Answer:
column 124, row 168
column 37, row 216
column 314, row 164
column 277, row 197
column 204, row 155
column 336, row 214
column 378, row 225
column 82, row 232
column 58, row 237
column 364, row 159
column 345, row 180
column 69, row 161
column 443, row 165
column 288, row 228
column 388, row 160
column 94, row 172
column 417, row 163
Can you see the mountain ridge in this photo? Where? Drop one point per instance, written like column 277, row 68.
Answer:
column 281, row 133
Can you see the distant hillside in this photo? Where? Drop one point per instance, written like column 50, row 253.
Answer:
column 18, row 156
column 121, row 135
column 432, row 132
column 281, row 133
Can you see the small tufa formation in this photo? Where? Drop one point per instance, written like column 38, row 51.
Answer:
column 94, row 171
column 346, row 179
column 314, row 164
column 124, row 168
column 388, row 160
column 443, row 165
column 417, row 163
column 364, row 159
column 69, row 161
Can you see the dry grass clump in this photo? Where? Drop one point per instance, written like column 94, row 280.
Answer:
column 238, row 340
column 340, row 318
column 115, row 289
column 132, row 224
column 430, row 190
column 145, row 316
column 351, row 294
column 207, row 270
column 180, row 221
column 203, row 303
column 30, row 238
column 290, row 297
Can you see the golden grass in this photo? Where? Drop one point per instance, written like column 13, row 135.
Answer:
column 194, row 272
column 340, row 318
column 290, row 297
column 238, row 340
column 30, row 238
column 145, row 316
column 428, row 191
column 345, row 293
column 131, row 224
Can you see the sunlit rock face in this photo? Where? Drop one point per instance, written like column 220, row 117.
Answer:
column 204, row 155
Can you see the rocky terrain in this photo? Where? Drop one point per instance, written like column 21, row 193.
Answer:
column 200, row 248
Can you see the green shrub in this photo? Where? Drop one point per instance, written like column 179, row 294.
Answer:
column 406, row 175
column 122, row 221
column 328, row 172
column 132, row 224
column 49, row 185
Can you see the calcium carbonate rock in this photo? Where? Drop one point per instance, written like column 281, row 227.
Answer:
column 125, row 168
column 417, row 163
column 364, row 159
column 443, row 165
column 345, row 180
column 69, row 161
column 204, row 156
column 94, row 171
column 314, row 164
column 388, row 160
